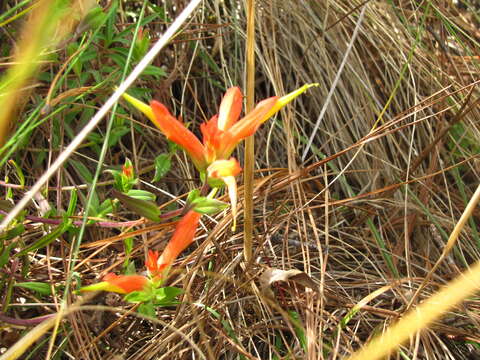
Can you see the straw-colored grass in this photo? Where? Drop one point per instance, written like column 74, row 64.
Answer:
column 359, row 183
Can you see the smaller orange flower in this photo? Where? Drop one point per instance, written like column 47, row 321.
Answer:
column 125, row 284
column 181, row 239
column 122, row 284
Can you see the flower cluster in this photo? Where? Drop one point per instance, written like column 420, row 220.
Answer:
column 212, row 158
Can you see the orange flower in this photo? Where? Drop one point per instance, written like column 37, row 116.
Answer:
column 157, row 266
column 122, row 284
column 223, row 132
column 181, row 239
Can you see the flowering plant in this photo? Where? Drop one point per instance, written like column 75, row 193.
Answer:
column 212, row 158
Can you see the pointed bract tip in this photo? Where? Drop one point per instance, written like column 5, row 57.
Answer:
column 140, row 106
column 284, row 100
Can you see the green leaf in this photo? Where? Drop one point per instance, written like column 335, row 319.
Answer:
column 138, row 296
column 82, row 170
column 5, row 255
column 118, row 180
column 93, row 210
column 128, row 242
column 116, row 134
column 118, row 59
column 299, row 329
column 10, row 234
column 165, row 296
column 18, row 170
column 105, row 208
column 162, row 166
column 73, row 203
column 147, row 309
column 129, row 267
column 41, row 288
column 141, row 195
column 215, row 183
column 204, row 205
column 47, row 239
column 95, row 17
column 143, row 208
column 154, row 71
column 192, row 195
column 78, row 64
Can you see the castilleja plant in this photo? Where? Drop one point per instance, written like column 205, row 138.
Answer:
column 147, row 289
column 221, row 134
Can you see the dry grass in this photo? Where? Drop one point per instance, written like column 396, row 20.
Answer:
column 366, row 213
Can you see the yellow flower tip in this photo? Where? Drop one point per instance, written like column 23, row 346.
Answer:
column 284, row 100
column 101, row 286
column 140, row 106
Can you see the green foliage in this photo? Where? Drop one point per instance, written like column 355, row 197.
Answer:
column 164, row 296
column 47, row 239
column 152, row 298
column 299, row 329
column 139, row 205
column 124, row 179
column 141, row 195
column 5, row 253
column 205, row 205
column 463, row 141
column 39, row 287
column 162, row 166
column 95, row 18
column 18, row 172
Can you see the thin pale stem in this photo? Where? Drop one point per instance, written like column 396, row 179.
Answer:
column 249, row 143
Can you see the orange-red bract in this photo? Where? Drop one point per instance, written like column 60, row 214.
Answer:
column 152, row 263
column 175, row 131
column 181, row 239
column 124, row 284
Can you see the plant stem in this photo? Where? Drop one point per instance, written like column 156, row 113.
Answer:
column 25, row 322
column 250, row 141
